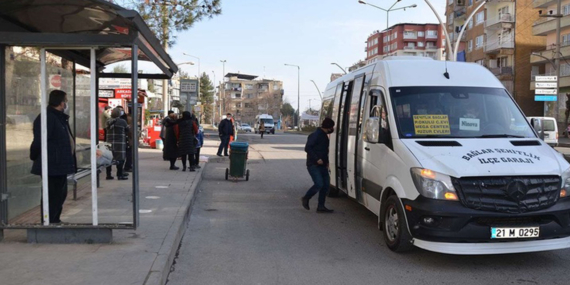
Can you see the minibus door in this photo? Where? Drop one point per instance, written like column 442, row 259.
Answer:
column 342, row 138
column 354, row 125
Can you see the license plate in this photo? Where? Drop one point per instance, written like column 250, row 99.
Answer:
column 515, row 232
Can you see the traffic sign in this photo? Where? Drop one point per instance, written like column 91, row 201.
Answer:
column 55, row 81
column 545, row 98
column 545, row 84
column 546, row 78
column 545, row 91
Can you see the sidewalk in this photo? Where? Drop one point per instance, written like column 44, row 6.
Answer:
column 143, row 256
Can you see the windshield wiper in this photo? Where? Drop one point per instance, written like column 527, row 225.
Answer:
column 502, row 136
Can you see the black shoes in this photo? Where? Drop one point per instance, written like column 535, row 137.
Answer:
column 128, row 170
column 110, row 177
column 192, row 169
column 324, row 210
column 305, row 202
column 219, row 155
column 184, row 168
column 226, row 154
column 124, row 177
column 174, row 168
column 198, row 166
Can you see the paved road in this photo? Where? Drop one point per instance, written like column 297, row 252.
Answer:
column 256, row 232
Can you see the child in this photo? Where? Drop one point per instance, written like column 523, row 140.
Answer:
column 200, row 142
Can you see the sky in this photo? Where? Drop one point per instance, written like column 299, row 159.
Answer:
column 258, row 37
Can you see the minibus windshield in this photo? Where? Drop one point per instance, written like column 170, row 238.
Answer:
column 267, row 121
column 457, row 112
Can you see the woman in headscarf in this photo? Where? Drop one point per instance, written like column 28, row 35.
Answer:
column 117, row 129
column 187, row 140
column 170, row 151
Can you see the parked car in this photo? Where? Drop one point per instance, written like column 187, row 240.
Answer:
column 245, row 128
column 550, row 128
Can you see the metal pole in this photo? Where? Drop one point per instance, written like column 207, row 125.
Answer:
column 94, row 137
column 3, row 158
column 387, row 19
column 135, row 132
column 456, row 48
column 43, row 116
column 317, row 89
column 557, row 62
column 223, row 87
column 447, row 39
column 299, row 96
column 214, row 101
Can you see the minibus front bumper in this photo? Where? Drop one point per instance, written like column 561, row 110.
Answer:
column 450, row 227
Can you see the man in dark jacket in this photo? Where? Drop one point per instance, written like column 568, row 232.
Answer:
column 317, row 149
column 225, row 130
column 61, row 152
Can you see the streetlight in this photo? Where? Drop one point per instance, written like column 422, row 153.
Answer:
column 317, row 89
column 334, row 63
column 223, row 84
column 389, row 9
column 199, row 75
column 298, row 93
column 214, row 101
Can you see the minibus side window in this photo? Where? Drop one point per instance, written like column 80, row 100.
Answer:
column 377, row 127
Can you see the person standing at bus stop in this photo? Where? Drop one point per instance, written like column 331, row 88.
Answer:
column 60, row 152
column 225, row 130
column 317, row 149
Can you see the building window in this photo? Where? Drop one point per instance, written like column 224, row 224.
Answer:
column 565, row 40
column 480, row 62
column 470, row 2
column 248, row 105
column 470, row 25
column 443, row 42
column 420, row 44
column 238, row 105
column 470, row 46
column 249, row 86
column 479, row 42
column 565, row 9
column 432, row 34
column 480, row 17
column 421, row 34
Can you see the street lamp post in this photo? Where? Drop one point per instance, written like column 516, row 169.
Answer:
column 389, row 9
column 317, row 89
column 334, row 63
column 214, row 101
column 223, row 87
column 298, row 93
column 199, row 75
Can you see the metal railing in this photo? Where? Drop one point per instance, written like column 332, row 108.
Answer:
column 495, row 44
column 505, row 70
column 505, row 18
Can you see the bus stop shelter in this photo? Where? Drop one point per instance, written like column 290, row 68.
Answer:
column 64, row 44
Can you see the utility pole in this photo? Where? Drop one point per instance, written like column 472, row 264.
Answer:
column 558, row 16
column 214, row 101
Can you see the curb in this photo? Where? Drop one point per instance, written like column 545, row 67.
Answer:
column 158, row 275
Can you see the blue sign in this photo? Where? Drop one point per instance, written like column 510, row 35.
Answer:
column 545, row 98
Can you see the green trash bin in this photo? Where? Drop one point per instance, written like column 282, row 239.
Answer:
column 238, row 161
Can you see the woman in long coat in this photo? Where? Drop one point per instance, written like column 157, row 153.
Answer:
column 117, row 130
column 170, row 151
column 187, row 140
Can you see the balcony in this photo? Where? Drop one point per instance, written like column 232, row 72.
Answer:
column 493, row 45
column 409, row 47
column 503, row 73
column 542, row 3
column 505, row 21
column 550, row 52
column 428, row 36
column 431, row 47
column 546, row 26
column 460, row 12
column 410, row 36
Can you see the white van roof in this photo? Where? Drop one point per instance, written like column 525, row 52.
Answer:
column 406, row 72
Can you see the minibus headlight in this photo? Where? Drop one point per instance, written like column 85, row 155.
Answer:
column 434, row 185
column 565, row 183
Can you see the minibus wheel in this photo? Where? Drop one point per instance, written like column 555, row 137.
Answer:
column 395, row 228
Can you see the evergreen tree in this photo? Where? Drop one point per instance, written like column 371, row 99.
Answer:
column 206, row 97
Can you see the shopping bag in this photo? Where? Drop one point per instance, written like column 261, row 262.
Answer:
column 104, row 155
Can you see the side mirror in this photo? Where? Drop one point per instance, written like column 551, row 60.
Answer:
column 537, row 125
column 373, row 130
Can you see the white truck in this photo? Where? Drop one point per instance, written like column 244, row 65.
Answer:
column 267, row 121
column 445, row 158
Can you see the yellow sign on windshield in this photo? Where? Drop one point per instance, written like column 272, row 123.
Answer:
column 431, row 125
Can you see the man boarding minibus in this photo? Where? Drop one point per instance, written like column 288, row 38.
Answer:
column 443, row 155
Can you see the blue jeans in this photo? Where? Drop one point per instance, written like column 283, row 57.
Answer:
column 321, row 178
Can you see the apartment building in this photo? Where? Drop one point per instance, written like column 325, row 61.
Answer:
column 246, row 97
column 406, row 39
column 499, row 36
column 544, row 60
